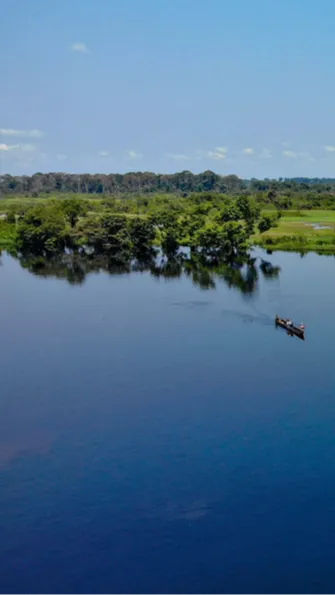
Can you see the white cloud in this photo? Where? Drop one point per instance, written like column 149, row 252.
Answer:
column 103, row 153
column 177, row 156
column 330, row 149
column 18, row 151
column 80, row 47
column 218, row 153
column 61, row 157
column 248, row 151
column 265, row 154
column 290, row 154
column 134, row 155
column 285, row 144
column 22, row 133
column 4, row 147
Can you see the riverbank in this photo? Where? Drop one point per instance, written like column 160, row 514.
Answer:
column 301, row 231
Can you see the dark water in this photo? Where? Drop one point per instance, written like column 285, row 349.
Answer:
column 156, row 437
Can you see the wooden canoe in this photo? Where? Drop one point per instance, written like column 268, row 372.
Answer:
column 292, row 329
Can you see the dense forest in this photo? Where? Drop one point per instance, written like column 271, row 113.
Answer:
column 182, row 183
column 124, row 229
column 134, row 182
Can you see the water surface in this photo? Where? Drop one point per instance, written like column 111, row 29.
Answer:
column 156, row 437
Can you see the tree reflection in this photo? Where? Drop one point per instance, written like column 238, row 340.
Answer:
column 269, row 271
column 169, row 268
column 205, row 272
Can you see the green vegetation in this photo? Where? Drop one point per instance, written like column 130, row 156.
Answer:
column 127, row 215
column 116, row 184
column 309, row 193
column 205, row 236
column 301, row 231
column 125, row 229
column 7, row 235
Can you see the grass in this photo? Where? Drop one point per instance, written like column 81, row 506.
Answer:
column 295, row 232
column 7, row 202
column 7, row 235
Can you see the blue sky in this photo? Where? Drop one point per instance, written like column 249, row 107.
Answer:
column 238, row 86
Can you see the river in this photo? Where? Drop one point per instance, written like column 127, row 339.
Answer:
column 158, row 434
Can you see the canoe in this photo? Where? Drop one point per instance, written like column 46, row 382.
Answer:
column 292, row 329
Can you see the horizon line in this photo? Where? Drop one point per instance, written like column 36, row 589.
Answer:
column 184, row 171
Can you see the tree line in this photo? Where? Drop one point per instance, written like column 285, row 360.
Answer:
column 184, row 182
column 114, row 184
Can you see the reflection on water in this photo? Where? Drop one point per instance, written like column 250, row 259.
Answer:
column 203, row 271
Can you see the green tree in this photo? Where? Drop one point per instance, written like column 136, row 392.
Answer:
column 229, row 240
column 11, row 215
column 42, row 229
column 266, row 222
column 73, row 208
column 170, row 242
column 210, row 238
column 142, row 235
column 106, row 234
column 235, row 239
column 190, row 226
column 249, row 210
column 229, row 212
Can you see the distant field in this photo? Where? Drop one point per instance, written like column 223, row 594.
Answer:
column 6, row 202
column 302, row 230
